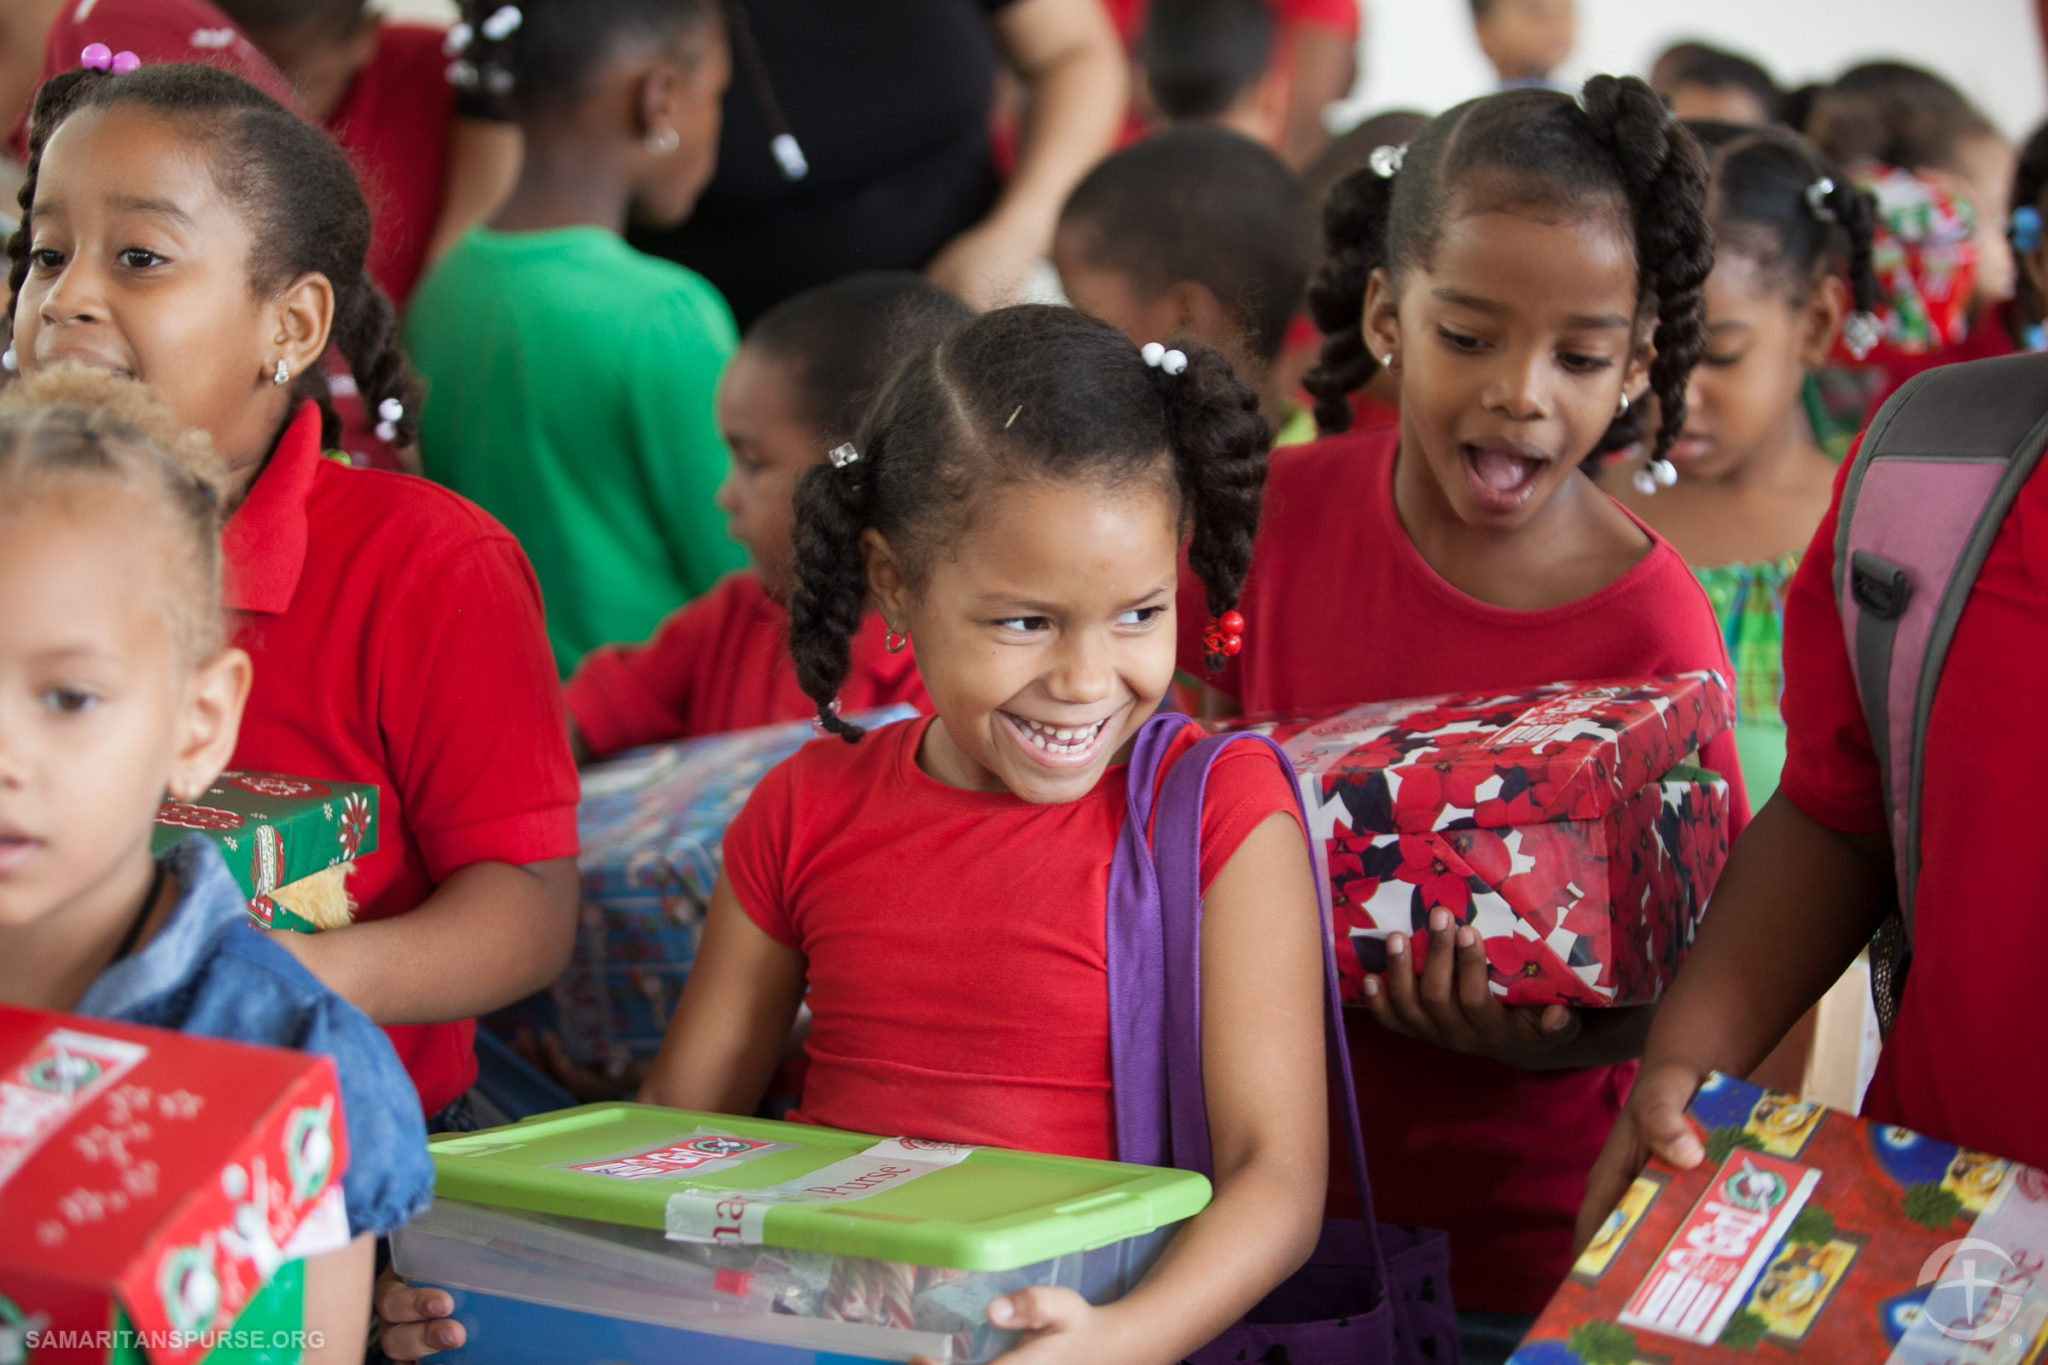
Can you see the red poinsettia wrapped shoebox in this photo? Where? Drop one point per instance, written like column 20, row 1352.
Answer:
column 155, row 1190
column 290, row 842
column 1566, row 823
column 1809, row 1235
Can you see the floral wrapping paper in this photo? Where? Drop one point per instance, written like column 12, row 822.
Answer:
column 1563, row 822
column 1841, row 1241
column 651, row 824
column 274, row 831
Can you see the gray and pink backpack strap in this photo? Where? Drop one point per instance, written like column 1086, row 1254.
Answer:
column 1939, row 468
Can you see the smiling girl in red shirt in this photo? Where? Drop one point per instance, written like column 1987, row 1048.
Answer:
column 1527, row 269
column 939, row 886
column 184, row 228
column 799, row 385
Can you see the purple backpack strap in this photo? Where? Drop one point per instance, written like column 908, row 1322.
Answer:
column 1937, row 472
column 1154, row 932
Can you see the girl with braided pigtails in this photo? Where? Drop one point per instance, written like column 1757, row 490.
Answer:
column 1529, row 269
column 1792, row 272
column 182, row 228
column 1015, row 505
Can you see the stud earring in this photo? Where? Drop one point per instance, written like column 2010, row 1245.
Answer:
column 661, row 141
column 283, row 375
column 1621, row 408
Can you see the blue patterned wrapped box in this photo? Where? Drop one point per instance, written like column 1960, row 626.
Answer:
column 651, row 823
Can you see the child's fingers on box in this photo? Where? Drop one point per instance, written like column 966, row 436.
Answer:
column 419, row 1340
column 1036, row 1309
column 1658, row 1104
column 399, row 1302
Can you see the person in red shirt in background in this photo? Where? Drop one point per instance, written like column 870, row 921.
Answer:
column 39, row 38
column 1314, row 57
column 433, row 160
column 1528, row 270
column 799, row 385
column 396, row 630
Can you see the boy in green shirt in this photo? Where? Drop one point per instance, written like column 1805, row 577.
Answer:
column 571, row 379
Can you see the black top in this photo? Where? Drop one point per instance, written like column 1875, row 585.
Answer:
column 890, row 101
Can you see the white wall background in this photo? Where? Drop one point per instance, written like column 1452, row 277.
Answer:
column 1420, row 53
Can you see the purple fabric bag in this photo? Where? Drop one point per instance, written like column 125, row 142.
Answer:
column 1369, row 1295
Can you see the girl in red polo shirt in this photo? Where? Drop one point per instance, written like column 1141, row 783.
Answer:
column 184, row 228
column 803, row 377
column 1526, row 269
column 938, row 887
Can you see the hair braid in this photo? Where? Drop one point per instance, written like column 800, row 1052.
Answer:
column 1355, row 221
column 1855, row 211
column 53, row 101
column 366, row 334
column 830, row 594
column 1664, row 176
column 1219, row 443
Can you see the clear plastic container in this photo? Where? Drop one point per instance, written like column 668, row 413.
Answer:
column 504, row 1264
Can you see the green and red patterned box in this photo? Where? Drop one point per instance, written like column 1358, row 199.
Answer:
column 153, row 1187
column 275, row 831
column 1809, row 1235
column 1566, row 823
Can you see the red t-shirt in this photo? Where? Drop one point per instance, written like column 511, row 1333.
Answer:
column 1341, row 608
column 1341, row 15
column 722, row 663
column 157, row 31
column 397, row 636
column 954, row 939
column 1955, row 1065
column 393, row 122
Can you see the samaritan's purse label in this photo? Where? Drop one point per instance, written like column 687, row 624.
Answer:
column 1714, row 1258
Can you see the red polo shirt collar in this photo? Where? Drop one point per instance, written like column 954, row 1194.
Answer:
column 264, row 545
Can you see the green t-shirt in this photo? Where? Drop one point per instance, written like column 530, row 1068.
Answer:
column 570, row 385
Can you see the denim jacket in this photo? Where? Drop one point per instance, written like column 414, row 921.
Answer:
column 210, row 972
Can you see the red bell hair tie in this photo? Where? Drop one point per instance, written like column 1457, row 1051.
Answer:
column 1223, row 640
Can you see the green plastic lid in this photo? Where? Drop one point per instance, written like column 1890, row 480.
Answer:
column 717, row 1178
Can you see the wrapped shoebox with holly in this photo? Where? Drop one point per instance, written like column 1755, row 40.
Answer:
column 157, row 1192
column 290, row 842
column 1807, row 1234
column 652, row 824
column 1568, row 824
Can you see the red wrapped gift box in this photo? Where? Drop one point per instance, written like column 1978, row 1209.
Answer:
column 1809, row 1235
column 150, row 1183
column 1563, row 822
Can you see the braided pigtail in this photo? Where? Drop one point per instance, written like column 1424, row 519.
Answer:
column 1664, row 176
column 1855, row 212
column 366, row 334
column 1219, row 443
column 1355, row 219
column 54, row 101
column 830, row 595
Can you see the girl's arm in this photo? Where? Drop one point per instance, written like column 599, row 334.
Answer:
column 1076, row 85
column 490, row 934
column 726, row 1036
column 1797, row 903
column 337, row 1318
column 1263, row 1071
column 483, row 165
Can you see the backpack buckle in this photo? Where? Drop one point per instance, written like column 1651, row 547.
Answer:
column 1879, row 586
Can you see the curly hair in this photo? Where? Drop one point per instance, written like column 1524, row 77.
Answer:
column 1616, row 143
column 69, row 424
column 1031, row 392
column 291, row 184
column 546, row 62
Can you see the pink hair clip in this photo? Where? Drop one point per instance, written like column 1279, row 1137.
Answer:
column 100, row 57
